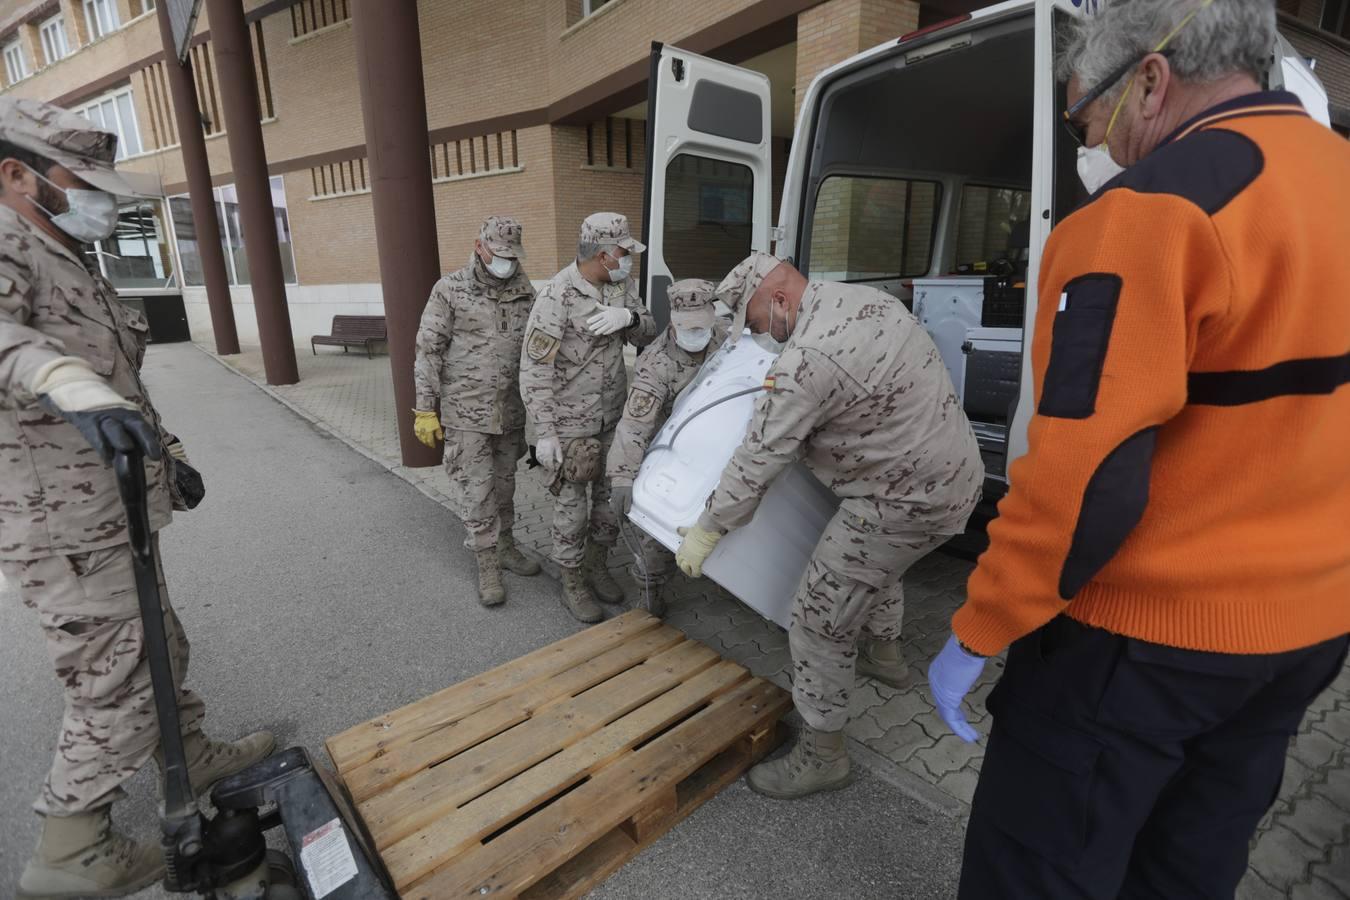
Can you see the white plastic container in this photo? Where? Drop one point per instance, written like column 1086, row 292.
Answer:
column 762, row 563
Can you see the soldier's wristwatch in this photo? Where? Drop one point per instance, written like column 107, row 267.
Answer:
column 633, row 318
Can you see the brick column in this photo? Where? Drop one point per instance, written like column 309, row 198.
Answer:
column 77, row 30
column 837, row 29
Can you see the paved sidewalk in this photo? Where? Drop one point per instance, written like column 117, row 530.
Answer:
column 1302, row 850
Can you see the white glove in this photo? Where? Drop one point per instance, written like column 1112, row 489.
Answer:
column 609, row 319
column 73, row 386
column 549, row 452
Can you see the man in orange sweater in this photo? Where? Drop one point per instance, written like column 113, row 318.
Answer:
column 1171, row 565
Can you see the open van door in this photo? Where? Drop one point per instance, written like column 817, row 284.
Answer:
column 708, row 188
column 1055, row 189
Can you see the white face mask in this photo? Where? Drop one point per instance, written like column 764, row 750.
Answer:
column 625, row 269
column 1096, row 167
column 91, row 215
column 502, row 267
column 693, row 340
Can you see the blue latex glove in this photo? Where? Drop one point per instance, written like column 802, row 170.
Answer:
column 950, row 677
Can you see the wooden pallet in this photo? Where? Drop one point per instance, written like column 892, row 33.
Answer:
column 542, row 777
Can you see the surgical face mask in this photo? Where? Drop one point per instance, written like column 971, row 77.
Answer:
column 1096, row 167
column 502, row 267
column 693, row 340
column 90, row 215
column 624, row 270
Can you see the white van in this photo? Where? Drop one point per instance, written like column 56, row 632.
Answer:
column 931, row 167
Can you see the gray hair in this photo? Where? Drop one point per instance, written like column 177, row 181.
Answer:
column 588, row 250
column 1225, row 38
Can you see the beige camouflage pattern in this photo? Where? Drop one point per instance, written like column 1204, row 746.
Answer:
column 610, row 229
column 833, row 610
column 482, row 468
column 581, row 463
column 574, row 382
column 56, row 496
column 87, row 607
column 468, row 350
column 860, row 394
column 64, row 137
column 504, row 237
column 573, row 513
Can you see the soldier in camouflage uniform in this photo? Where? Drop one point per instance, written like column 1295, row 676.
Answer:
column 468, row 363
column 860, row 394
column 71, row 394
column 662, row 371
column 574, row 383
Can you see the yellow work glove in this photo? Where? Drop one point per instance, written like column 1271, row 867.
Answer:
column 694, row 549
column 427, row 427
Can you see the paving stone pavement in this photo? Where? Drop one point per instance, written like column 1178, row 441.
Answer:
column 1301, row 850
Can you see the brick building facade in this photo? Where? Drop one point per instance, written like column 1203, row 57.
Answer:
column 535, row 108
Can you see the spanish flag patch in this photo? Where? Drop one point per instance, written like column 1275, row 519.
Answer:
column 770, row 382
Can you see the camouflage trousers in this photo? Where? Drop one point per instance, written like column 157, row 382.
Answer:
column 87, row 607
column 852, row 588
column 573, row 511
column 658, row 560
column 482, row 467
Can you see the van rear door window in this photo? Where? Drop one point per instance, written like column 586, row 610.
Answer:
column 869, row 229
column 707, row 225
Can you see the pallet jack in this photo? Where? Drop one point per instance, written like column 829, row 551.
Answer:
column 226, row 857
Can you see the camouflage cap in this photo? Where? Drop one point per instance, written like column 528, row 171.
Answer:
column 740, row 285
column 65, row 138
column 691, row 303
column 504, row 237
column 609, row 228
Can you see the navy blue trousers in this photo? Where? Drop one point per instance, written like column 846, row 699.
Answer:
column 1120, row 768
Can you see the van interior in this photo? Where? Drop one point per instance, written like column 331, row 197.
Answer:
column 919, row 183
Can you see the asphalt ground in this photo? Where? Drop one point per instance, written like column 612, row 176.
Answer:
column 319, row 590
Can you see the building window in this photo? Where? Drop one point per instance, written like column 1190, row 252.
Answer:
column 308, row 16
column 116, row 113
column 138, row 257
column 53, row 33
column 147, row 6
column 15, row 67
column 591, row 6
column 231, row 236
column 868, row 229
column 101, row 17
column 1336, row 17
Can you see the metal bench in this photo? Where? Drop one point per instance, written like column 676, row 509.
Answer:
column 352, row 331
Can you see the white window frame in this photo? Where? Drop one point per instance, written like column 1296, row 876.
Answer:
column 52, row 36
column 123, row 151
column 96, row 24
column 16, row 67
column 591, row 7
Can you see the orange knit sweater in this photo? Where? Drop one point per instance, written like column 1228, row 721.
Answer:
column 1188, row 477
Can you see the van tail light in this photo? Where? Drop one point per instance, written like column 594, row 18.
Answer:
column 936, row 26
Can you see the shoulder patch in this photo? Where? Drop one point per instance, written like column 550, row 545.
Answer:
column 541, row 346
column 1208, row 168
column 641, row 404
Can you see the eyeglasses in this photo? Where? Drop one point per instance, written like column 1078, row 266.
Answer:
column 1078, row 131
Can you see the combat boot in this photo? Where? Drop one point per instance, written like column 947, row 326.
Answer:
column 596, row 568
column 490, row 590
column 817, row 762
column 654, row 598
column 209, row 761
column 577, row 597
column 883, row 661
column 511, row 558
column 81, row 856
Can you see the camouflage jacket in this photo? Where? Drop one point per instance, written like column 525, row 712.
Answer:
column 56, row 496
column 574, row 382
column 662, row 371
column 468, row 350
column 861, row 395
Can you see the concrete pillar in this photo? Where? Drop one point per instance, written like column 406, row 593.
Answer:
column 239, row 100
column 192, row 144
column 393, row 101
column 837, row 29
